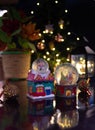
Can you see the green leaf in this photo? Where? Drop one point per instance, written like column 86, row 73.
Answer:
column 4, row 37
column 25, row 44
column 22, row 42
column 32, row 46
column 11, row 45
column 16, row 32
column 14, row 14
column 1, row 23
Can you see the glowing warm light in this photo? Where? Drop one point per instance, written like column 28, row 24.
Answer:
column 38, row 3
column 40, row 34
column 88, row 80
column 57, row 55
column 61, row 24
column 69, row 33
column 81, row 58
column 54, row 103
column 32, row 51
column 52, row 120
column 43, row 41
column 32, row 12
column 90, row 66
column 51, row 32
column 58, row 60
column 66, row 119
column 80, row 63
column 44, row 57
column 56, row 1
column 58, row 78
column 47, row 53
column 53, row 49
column 68, row 49
column 62, row 40
column 58, row 63
column 66, row 11
column 48, row 59
column 44, row 31
column 68, row 59
column 78, row 38
column 49, row 29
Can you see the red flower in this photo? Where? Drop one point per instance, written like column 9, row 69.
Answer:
column 2, row 46
column 10, row 26
column 17, row 32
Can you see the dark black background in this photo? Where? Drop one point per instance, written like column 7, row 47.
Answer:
column 82, row 17
column 81, row 14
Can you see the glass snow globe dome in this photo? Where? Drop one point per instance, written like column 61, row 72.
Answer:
column 66, row 74
column 40, row 66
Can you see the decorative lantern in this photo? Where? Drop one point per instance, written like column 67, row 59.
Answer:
column 83, row 58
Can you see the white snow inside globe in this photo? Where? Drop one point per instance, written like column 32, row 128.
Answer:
column 66, row 74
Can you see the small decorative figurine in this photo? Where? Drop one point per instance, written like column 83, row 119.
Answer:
column 85, row 96
column 66, row 77
column 40, row 80
column 9, row 91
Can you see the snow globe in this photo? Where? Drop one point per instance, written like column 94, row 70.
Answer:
column 66, row 77
column 67, row 119
column 40, row 80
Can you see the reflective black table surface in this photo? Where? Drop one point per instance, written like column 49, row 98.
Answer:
column 22, row 113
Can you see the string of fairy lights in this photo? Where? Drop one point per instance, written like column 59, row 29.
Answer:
column 52, row 54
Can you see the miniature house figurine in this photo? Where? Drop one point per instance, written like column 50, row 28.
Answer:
column 40, row 80
column 66, row 77
column 41, row 107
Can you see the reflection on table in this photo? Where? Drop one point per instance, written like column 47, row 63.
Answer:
column 22, row 113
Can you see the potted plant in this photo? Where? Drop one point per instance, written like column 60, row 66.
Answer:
column 17, row 33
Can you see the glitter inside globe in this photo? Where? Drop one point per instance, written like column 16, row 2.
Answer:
column 40, row 66
column 66, row 74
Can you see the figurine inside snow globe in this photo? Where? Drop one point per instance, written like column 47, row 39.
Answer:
column 66, row 77
column 40, row 67
column 40, row 80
